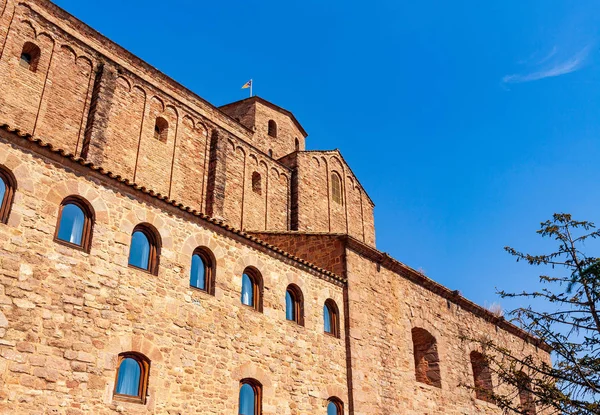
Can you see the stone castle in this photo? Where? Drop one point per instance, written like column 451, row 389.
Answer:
column 160, row 255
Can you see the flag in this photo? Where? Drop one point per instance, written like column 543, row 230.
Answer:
column 247, row 84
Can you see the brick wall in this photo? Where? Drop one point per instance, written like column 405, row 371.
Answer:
column 313, row 207
column 255, row 113
column 326, row 251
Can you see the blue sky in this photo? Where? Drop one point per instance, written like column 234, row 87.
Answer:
column 467, row 122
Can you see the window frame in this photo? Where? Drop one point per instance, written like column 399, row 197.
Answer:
column 209, row 270
column 144, row 363
column 334, row 318
column 257, row 288
column 339, row 405
column 257, row 388
column 88, row 223
column 297, row 302
column 155, row 245
column 9, row 194
column 337, row 191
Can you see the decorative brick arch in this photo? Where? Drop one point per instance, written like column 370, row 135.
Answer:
column 249, row 260
column 249, row 370
column 201, row 240
column 61, row 190
column 134, row 218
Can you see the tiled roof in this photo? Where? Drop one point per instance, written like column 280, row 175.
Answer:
column 180, row 206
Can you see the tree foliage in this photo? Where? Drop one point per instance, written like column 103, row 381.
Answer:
column 569, row 323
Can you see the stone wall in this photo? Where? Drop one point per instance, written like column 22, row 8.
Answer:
column 383, row 308
column 68, row 314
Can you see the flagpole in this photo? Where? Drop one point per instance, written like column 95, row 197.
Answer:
column 251, row 82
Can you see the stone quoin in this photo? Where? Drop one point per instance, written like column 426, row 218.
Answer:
column 160, row 255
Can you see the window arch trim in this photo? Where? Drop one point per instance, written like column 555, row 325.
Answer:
column 339, row 405
column 155, row 243
column 257, row 388
column 297, row 304
column 144, row 363
column 209, row 261
column 257, row 288
column 334, row 318
column 89, row 219
column 9, row 194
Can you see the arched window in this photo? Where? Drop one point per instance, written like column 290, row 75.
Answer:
column 336, row 188
column 482, row 377
column 75, row 223
column 30, row 56
column 252, row 289
column 8, row 185
column 297, row 144
column 202, row 271
column 132, row 377
column 525, row 394
column 335, row 407
column 250, row 397
column 144, row 252
column 427, row 361
column 256, row 183
column 161, row 129
column 331, row 318
column 294, row 304
column 272, row 129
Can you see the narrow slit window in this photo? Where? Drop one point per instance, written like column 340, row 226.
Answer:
column 161, row 129
column 256, row 183
column 525, row 394
column 336, row 188
column 30, row 56
column 272, row 129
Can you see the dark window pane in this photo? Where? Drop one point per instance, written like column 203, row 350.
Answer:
column 2, row 190
column 70, row 228
column 332, row 409
column 247, row 291
column 139, row 252
column 198, row 273
column 290, row 310
column 247, row 398
column 327, row 319
column 129, row 377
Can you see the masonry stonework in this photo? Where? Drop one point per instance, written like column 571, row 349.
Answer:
column 82, row 117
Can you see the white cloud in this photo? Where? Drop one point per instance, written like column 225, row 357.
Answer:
column 557, row 68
